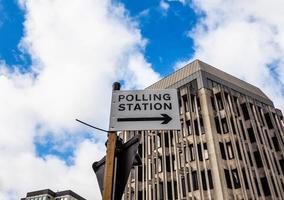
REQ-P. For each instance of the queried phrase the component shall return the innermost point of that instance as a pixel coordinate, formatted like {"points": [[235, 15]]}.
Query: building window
{"points": [[282, 165], [251, 135], [219, 101], [265, 186], [200, 156], [227, 177], [233, 126], [192, 97], [239, 150], [159, 159], [258, 160], [203, 179], [224, 125], [140, 170], [210, 179], [204, 182], [196, 127], [149, 169], [268, 121], [213, 103], [194, 180], [169, 189], [189, 127], [236, 179], [230, 150], [275, 143], [174, 164], [149, 145], [191, 152], [198, 103], [185, 103], [217, 124], [168, 137], [236, 105], [183, 187], [222, 150], [245, 111], [206, 156], [201, 125], [168, 164], [245, 178]]}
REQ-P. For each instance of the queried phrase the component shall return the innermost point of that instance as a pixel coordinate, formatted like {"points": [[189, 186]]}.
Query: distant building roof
{"points": [[53, 194]]}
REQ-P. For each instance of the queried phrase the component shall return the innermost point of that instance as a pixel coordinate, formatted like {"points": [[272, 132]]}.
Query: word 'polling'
{"points": [[143, 102]]}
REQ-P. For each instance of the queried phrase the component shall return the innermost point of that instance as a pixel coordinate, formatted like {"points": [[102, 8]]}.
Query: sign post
{"points": [[110, 155]]}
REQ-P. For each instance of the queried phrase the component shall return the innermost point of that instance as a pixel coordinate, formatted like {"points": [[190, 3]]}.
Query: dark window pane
{"points": [[222, 149], [203, 179], [268, 120], [194, 181], [200, 156], [239, 150], [217, 124], [213, 103], [210, 179], [230, 150], [224, 125], [233, 126], [169, 187], [265, 186], [245, 111], [219, 101], [196, 127], [282, 165], [245, 178], [258, 160], [275, 143], [251, 135], [227, 176], [236, 179]]}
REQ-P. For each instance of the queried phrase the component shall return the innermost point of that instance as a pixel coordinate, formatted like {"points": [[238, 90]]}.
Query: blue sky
{"points": [[58, 60], [165, 31]]}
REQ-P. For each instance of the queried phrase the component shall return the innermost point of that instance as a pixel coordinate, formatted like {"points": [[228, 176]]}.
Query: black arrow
{"points": [[165, 118]]}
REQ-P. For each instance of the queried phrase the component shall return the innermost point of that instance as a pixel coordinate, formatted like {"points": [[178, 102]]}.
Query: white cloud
{"points": [[78, 49], [243, 38], [164, 5]]}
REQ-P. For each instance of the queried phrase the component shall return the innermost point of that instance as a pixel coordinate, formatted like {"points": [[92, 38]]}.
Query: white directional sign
{"points": [[144, 110]]}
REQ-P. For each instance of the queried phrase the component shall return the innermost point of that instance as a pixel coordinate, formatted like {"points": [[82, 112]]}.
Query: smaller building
{"points": [[50, 195]]}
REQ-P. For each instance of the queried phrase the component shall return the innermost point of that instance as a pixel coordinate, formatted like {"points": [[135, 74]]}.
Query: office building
{"points": [[231, 145], [50, 195]]}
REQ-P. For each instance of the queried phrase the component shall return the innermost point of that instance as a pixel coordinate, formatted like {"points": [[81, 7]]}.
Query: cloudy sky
{"points": [[59, 58]]}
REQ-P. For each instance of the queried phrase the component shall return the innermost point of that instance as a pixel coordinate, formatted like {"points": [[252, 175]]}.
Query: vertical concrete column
{"points": [[212, 145]]}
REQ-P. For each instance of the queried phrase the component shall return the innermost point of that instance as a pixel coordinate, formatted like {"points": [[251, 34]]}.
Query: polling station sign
{"points": [[144, 110]]}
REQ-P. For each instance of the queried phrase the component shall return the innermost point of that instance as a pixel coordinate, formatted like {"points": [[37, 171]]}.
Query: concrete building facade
{"points": [[231, 145], [48, 194]]}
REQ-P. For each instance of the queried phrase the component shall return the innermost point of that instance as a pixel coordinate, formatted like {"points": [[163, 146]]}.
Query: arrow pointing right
{"points": [[165, 119]]}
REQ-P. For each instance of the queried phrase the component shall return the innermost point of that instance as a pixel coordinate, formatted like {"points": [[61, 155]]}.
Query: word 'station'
{"points": [[144, 110]]}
